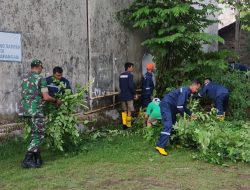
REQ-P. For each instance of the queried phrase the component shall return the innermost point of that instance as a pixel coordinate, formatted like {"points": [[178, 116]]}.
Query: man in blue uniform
{"points": [[147, 86], [219, 94], [127, 94], [238, 66], [54, 82], [173, 103]]}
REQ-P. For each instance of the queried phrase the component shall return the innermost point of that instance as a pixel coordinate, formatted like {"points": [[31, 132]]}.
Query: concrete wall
{"points": [[52, 30], [111, 44], [212, 29], [81, 36]]}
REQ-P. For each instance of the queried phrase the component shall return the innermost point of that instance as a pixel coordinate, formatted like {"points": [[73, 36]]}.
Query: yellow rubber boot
{"points": [[129, 119], [221, 117], [124, 118], [162, 151]]}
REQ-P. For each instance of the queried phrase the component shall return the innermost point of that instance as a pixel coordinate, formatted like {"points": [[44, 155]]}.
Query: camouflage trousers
{"points": [[37, 124]]}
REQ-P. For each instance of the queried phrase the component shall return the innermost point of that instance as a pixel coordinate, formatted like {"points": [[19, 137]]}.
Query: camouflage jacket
{"points": [[33, 85]]}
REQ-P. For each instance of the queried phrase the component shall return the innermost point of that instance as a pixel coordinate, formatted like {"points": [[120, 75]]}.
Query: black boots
{"points": [[32, 160], [38, 159], [28, 161]]}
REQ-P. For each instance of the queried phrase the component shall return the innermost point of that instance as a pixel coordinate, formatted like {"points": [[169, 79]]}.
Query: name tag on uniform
{"points": [[123, 76]]}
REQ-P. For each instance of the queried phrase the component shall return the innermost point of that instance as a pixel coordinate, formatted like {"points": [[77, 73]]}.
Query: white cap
{"points": [[156, 100]]}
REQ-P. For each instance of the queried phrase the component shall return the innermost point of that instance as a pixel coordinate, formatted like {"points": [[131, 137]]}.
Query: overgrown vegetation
{"points": [[215, 141], [61, 126], [236, 81], [175, 37], [61, 122], [175, 32]]}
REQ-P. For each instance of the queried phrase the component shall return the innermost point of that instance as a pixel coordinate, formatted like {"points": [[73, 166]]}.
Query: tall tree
{"points": [[175, 31]]}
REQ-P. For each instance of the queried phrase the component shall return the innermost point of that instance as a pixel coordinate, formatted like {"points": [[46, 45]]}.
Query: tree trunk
{"points": [[237, 30]]}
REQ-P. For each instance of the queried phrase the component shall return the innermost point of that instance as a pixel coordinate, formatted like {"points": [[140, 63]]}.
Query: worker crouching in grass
{"points": [[219, 94], [173, 103], [153, 112]]}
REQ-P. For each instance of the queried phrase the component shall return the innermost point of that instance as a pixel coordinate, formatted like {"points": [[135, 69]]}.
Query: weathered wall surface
{"points": [[212, 29], [111, 44], [81, 36], [53, 31]]}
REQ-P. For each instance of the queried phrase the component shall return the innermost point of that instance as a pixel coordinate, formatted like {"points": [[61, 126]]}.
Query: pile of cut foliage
{"points": [[215, 141]]}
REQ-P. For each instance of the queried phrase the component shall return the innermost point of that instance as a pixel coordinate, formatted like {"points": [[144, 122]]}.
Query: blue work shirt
{"points": [[213, 90], [127, 86], [147, 84], [240, 67], [53, 85], [178, 99]]}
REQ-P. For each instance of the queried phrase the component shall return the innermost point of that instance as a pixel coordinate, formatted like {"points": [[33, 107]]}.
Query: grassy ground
{"points": [[118, 163]]}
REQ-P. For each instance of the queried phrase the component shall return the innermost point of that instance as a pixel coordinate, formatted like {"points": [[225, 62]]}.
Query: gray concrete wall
{"points": [[56, 31], [212, 29], [81, 36], [52, 30], [111, 44]]}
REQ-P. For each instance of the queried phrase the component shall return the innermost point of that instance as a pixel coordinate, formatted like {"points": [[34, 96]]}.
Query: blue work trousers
{"points": [[221, 103], [146, 99], [168, 113]]}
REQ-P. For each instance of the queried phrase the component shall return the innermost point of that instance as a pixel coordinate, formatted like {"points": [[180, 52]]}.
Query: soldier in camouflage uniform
{"points": [[34, 91]]}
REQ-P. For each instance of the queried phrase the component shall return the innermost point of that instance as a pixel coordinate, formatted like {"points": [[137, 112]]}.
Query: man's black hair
{"points": [[208, 79], [57, 69], [127, 65], [196, 82]]}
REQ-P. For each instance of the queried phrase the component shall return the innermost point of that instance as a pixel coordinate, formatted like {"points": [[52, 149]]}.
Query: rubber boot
{"points": [[129, 119], [221, 117], [28, 161], [124, 120], [38, 159], [161, 151]]}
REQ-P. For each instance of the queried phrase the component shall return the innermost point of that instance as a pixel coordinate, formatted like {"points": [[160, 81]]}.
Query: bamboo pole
{"points": [[106, 95], [99, 109]]}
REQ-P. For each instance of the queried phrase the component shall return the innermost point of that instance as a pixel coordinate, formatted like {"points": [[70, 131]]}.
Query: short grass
{"points": [[118, 163]]}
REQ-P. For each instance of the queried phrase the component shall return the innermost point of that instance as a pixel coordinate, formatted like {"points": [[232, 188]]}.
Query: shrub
{"points": [[215, 141], [61, 126]]}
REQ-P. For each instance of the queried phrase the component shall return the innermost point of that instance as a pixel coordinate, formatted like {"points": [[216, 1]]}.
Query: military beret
{"points": [[36, 62]]}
